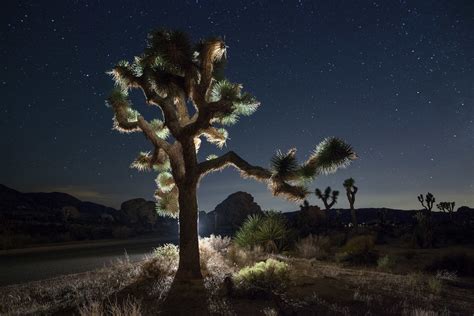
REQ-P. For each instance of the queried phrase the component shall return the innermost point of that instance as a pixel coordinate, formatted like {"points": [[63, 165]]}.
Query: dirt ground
{"points": [[315, 288]]}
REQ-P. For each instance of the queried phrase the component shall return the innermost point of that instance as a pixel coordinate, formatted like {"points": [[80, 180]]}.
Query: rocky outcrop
{"points": [[229, 215]]}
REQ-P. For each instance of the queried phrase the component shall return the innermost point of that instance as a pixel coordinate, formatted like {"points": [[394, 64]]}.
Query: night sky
{"points": [[393, 78]]}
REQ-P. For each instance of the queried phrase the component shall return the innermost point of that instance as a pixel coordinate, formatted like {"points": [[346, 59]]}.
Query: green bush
{"points": [[269, 231], [359, 250], [386, 263], [267, 275]]}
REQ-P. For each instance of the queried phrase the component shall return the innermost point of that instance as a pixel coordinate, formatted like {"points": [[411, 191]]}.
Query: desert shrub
{"points": [[458, 262], [269, 231], [267, 275], [242, 257], [163, 262], [314, 247], [386, 263], [359, 250], [218, 243], [212, 252]]}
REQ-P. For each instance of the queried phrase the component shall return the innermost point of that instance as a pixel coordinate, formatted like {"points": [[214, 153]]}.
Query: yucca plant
{"points": [[269, 231], [172, 72], [246, 235]]}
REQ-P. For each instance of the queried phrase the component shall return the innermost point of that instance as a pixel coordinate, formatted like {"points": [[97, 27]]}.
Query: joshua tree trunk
{"points": [[354, 216], [351, 191], [189, 266]]}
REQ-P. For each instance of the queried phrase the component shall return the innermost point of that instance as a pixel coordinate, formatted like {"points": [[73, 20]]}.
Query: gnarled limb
{"points": [[276, 184], [201, 120], [150, 134], [171, 107]]}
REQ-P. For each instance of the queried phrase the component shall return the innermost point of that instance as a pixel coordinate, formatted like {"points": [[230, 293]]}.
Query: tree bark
{"points": [[353, 212], [189, 264], [354, 217]]}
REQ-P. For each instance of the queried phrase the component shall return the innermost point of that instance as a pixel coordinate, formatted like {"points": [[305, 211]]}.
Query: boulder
{"points": [[229, 215]]}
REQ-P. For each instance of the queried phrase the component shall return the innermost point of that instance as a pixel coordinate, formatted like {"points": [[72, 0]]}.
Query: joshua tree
{"points": [[351, 191], [447, 207], [424, 219], [430, 199], [328, 193], [185, 82]]}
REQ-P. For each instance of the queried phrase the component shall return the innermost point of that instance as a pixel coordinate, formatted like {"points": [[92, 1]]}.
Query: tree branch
{"points": [[150, 134], [201, 120], [275, 184], [171, 109]]}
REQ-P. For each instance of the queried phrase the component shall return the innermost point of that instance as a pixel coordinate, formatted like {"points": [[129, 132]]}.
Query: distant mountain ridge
{"points": [[27, 218]]}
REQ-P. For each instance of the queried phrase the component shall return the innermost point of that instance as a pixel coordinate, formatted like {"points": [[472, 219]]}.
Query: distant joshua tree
{"points": [[185, 83], [424, 220], [447, 207], [429, 200], [324, 196], [351, 191]]}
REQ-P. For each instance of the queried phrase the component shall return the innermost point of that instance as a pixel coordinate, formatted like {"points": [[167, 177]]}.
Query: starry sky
{"points": [[393, 78]]}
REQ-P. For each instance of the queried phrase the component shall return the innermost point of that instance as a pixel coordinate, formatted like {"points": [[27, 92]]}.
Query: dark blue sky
{"points": [[393, 78]]}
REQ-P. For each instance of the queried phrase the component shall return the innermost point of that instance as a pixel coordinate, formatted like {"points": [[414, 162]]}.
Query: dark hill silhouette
{"points": [[29, 218]]}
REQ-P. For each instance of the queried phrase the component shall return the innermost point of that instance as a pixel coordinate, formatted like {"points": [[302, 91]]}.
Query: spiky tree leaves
{"points": [[125, 118], [169, 51], [142, 162], [329, 197], [242, 104], [167, 202], [284, 165], [171, 73], [331, 154], [160, 129]]}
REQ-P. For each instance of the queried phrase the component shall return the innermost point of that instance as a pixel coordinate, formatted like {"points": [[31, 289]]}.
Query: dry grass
{"points": [[329, 288], [67, 291], [128, 307], [314, 247]]}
